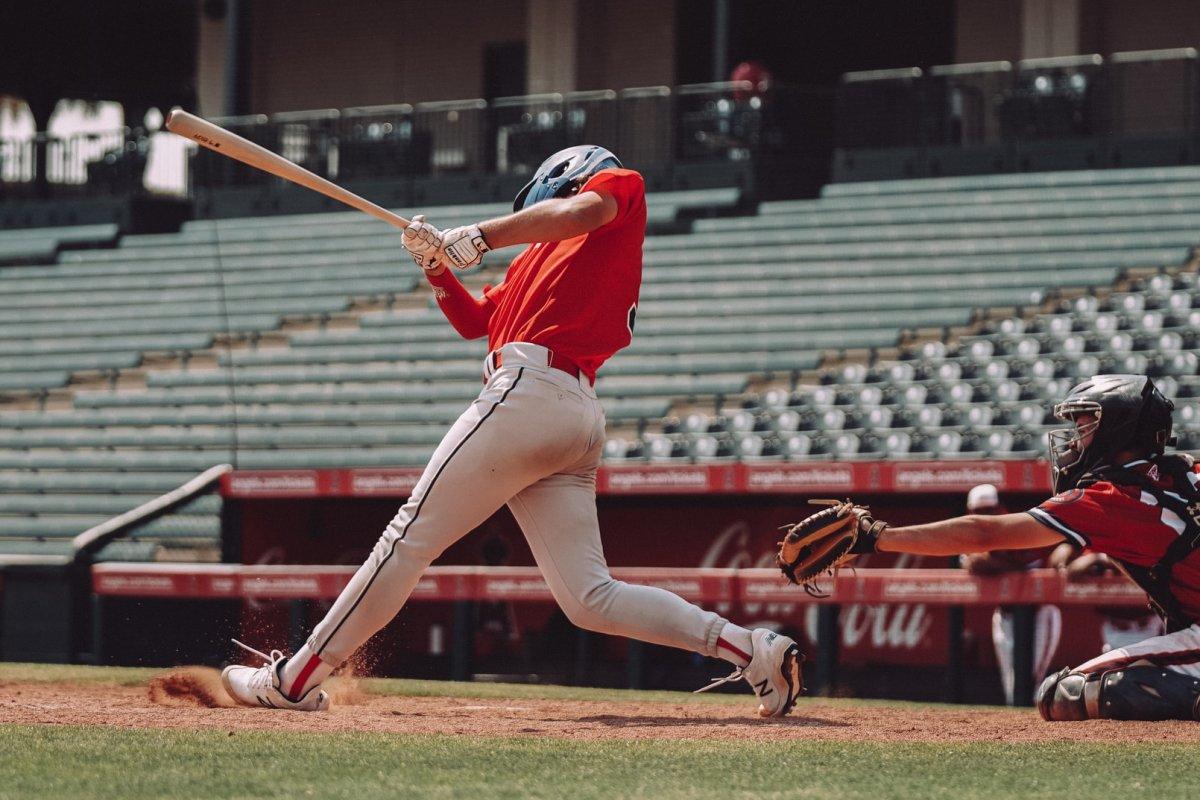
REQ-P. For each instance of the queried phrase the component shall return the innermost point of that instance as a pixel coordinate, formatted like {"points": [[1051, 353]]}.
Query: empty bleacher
{"points": [[40, 245], [946, 313], [115, 363], [975, 242]]}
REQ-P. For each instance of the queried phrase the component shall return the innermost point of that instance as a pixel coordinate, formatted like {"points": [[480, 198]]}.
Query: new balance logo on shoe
{"points": [[761, 688]]}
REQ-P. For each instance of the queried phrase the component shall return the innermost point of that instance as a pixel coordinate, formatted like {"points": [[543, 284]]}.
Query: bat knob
{"points": [[172, 115]]}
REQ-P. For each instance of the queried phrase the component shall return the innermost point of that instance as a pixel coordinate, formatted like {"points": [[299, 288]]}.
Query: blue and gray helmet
{"points": [[563, 173]]}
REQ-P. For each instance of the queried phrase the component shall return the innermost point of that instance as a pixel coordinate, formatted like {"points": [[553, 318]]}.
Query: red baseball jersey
{"points": [[1129, 525], [578, 296]]}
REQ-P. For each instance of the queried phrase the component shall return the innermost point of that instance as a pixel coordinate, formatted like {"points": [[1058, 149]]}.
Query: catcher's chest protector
{"points": [[1184, 502]]}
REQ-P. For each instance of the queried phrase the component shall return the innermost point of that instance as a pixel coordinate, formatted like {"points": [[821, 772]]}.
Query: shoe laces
{"points": [[264, 676], [737, 674]]}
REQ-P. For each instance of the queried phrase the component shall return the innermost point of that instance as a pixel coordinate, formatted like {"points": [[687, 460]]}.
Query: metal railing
{"points": [[655, 126], [1127, 95], [652, 127]]}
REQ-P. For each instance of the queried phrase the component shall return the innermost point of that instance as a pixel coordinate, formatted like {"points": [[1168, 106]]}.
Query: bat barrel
{"points": [[230, 145]]}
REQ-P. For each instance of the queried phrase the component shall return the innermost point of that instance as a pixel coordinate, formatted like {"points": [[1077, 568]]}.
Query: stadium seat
{"points": [[329, 364]]}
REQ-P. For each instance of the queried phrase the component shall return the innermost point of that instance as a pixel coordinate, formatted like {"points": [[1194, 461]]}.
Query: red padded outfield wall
{"points": [[716, 515]]}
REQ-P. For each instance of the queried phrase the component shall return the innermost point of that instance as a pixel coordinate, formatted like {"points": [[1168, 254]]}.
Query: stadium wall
{"points": [[334, 518], [305, 54], [1010, 30]]}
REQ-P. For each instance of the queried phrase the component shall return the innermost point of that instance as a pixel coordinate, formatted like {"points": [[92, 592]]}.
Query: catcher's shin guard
{"points": [[1143, 692]]}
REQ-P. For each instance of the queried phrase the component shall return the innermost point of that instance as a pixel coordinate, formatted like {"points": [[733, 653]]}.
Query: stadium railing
{"points": [[45, 599], [1129, 109], [716, 128]]}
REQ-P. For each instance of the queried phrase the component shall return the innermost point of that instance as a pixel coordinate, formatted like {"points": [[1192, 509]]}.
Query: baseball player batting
{"points": [[1117, 492], [532, 439]]}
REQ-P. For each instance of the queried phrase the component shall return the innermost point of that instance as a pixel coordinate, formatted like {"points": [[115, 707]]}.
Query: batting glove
{"points": [[464, 247], [423, 242]]}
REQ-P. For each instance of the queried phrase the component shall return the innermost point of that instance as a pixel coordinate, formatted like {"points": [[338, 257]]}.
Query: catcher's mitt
{"points": [[822, 542]]}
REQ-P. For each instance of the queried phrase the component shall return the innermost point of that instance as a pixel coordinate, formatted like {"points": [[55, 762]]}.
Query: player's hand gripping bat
{"points": [[231, 145]]}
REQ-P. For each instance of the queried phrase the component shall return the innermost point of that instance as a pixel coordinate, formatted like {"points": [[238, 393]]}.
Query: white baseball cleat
{"points": [[773, 672], [259, 686]]}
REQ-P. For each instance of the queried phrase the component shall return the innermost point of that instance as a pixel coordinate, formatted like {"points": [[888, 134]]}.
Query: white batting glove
{"points": [[423, 242], [463, 247]]}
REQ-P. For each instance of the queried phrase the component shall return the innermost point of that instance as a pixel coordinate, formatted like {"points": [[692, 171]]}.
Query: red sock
{"points": [[735, 645], [301, 672]]}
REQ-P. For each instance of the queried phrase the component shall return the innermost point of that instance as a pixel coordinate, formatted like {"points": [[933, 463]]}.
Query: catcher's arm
{"points": [[831, 538], [973, 533]]}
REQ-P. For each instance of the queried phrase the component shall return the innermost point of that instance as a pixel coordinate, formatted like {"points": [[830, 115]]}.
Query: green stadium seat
{"points": [[63, 526], [52, 482], [1032, 209], [107, 344], [1100, 177], [735, 298], [30, 244], [26, 381], [104, 505], [80, 362], [115, 551], [235, 323]]}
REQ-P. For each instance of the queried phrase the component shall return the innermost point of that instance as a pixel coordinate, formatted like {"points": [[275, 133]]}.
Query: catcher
{"points": [[1117, 493]]}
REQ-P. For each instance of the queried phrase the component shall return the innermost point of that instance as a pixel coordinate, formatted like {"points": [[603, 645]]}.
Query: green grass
{"points": [[13, 672], [42, 761], [87, 762]]}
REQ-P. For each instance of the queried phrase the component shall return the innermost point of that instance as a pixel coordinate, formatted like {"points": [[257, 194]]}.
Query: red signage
{"points": [[818, 476], [931, 586], [380, 482], [664, 479], [807, 478]]}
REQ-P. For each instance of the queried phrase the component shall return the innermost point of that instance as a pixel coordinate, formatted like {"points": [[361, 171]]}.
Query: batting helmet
{"points": [[563, 173], [1130, 415]]}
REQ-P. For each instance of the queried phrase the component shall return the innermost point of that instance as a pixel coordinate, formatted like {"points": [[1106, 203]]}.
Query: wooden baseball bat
{"points": [[230, 145]]}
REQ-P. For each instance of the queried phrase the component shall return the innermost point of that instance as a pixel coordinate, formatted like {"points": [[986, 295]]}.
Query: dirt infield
{"points": [[192, 698]]}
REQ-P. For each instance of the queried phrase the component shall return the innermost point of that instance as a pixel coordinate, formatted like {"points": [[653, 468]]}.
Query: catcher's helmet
{"points": [[563, 173], [1130, 414]]}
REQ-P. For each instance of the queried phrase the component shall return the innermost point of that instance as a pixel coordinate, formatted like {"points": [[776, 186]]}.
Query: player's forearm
{"points": [[972, 533], [549, 221], [468, 315]]}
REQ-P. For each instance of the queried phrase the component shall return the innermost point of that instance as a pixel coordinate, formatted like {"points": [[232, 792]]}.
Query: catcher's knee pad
{"points": [[1143, 693], [1060, 698]]}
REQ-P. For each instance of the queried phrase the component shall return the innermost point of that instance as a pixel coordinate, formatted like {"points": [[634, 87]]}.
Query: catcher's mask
{"points": [[563, 173], [1119, 413]]}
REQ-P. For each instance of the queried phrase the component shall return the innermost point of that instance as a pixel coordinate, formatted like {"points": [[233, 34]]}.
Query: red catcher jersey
{"points": [[578, 296], [1129, 525]]}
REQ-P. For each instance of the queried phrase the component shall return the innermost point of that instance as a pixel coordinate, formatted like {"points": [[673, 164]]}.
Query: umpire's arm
{"points": [[973, 533]]}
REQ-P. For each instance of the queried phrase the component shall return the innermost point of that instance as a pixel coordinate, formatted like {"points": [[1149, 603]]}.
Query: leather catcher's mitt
{"points": [[822, 542]]}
